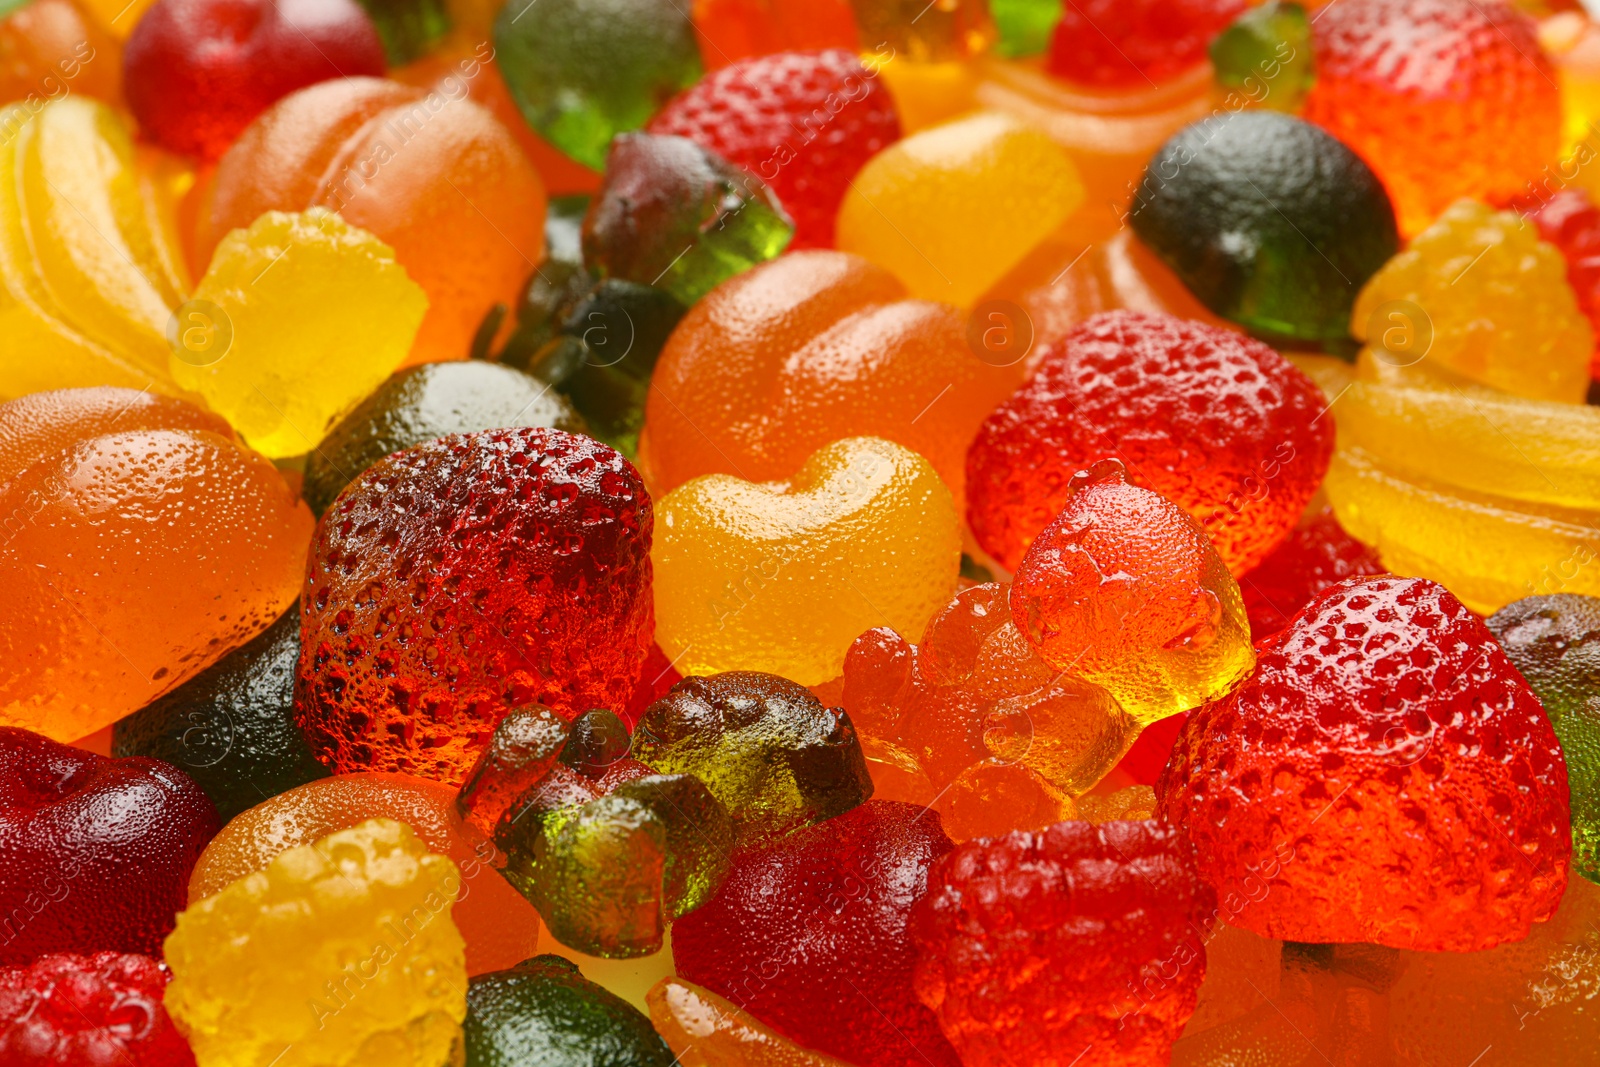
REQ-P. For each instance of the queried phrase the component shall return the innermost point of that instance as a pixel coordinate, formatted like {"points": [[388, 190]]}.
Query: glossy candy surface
{"points": [[1221, 425], [1385, 752], [95, 853], [782, 576], [1119, 44], [1313, 557], [543, 1011], [146, 542], [372, 899], [63, 1010], [706, 1030], [422, 627], [49, 44]]}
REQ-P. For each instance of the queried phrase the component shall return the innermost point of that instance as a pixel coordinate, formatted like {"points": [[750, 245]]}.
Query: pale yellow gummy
{"points": [[783, 576], [320, 313], [338, 953], [951, 209]]}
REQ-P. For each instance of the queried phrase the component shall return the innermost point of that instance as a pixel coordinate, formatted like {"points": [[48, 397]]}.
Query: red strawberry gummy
{"points": [[465, 577], [1210, 419], [196, 72], [1134, 44], [809, 936], [102, 1010], [95, 853], [1124, 590], [1079, 944], [1311, 558], [1390, 768], [1406, 83], [803, 122], [1571, 221]]}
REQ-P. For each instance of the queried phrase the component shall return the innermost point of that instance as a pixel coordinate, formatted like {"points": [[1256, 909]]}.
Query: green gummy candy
{"points": [[409, 29], [1025, 26], [1266, 54], [544, 1012]]}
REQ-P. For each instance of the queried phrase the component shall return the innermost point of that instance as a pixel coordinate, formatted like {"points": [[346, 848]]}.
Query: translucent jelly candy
{"points": [[767, 749], [143, 544], [197, 71], [1215, 422], [950, 30], [810, 936], [1552, 640], [1532, 998], [63, 1010], [411, 30], [231, 727], [1266, 52], [1570, 220], [1408, 82], [797, 353], [1270, 221], [803, 122], [1118, 44], [672, 214], [708, 1031], [499, 926], [543, 1011], [335, 949], [439, 180], [731, 30], [425, 623], [524, 748], [782, 576], [1023, 27], [1494, 517], [1309, 560], [1389, 774], [419, 404], [951, 209], [607, 874], [48, 44], [583, 71], [1124, 590], [972, 690], [262, 380], [1038, 948], [72, 188], [1478, 293], [94, 852]]}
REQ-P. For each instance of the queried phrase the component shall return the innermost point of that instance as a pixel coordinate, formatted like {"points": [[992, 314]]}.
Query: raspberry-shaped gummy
{"points": [[1409, 83], [1571, 221], [88, 1011], [342, 950], [462, 578], [1213, 421], [1079, 944], [803, 122], [1311, 558], [1124, 590], [1494, 300], [1132, 44], [1386, 776]]}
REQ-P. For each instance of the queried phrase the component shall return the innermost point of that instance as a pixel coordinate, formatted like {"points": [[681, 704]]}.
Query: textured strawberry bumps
{"points": [[1079, 944], [1219, 424], [1391, 767], [803, 122]]}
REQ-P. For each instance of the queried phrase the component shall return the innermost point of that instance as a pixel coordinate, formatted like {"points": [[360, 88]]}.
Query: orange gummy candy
{"points": [[730, 30], [140, 543], [501, 928], [807, 349], [49, 48], [439, 180]]}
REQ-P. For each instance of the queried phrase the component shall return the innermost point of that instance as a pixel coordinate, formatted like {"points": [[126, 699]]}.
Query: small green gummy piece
{"points": [[1266, 55]]}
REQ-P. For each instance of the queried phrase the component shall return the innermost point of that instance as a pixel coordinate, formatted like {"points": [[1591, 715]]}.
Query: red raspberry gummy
{"points": [[1311, 558], [465, 577], [803, 122], [102, 1010], [1215, 422], [1134, 44], [95, 853], [1392, 769], [809, 936], [1571, 221], [1080, 944], [196, 72]]}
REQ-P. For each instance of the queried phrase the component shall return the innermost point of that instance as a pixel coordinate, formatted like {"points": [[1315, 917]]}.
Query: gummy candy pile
{"points": [[799, 533]]}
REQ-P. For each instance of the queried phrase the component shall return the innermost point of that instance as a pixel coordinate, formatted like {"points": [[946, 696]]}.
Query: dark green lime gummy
{"points": [[1555, 642], [231, 727], [544, 1012], [1270, 221]]}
